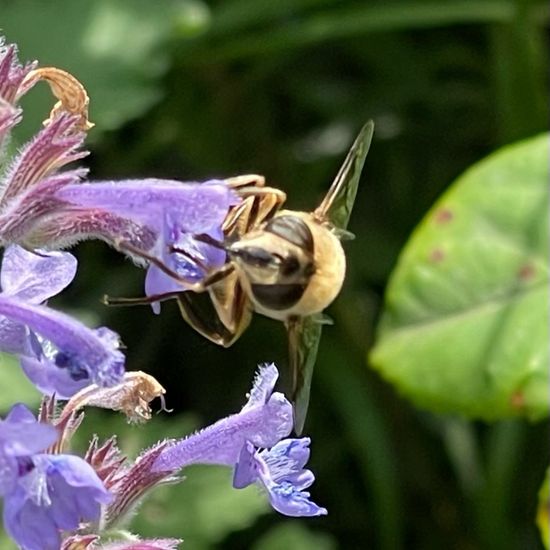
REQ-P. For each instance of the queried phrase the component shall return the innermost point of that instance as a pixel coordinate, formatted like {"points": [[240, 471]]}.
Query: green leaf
{"points": [[15, 387], [113, 47], [202, 510], [543, 512], [465, 325], [6, 543]]}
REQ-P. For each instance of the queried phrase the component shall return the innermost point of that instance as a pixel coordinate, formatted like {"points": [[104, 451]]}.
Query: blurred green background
{"points": [[192, 90]]}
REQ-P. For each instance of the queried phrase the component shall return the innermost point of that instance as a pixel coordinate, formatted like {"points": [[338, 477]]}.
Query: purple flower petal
{"points": [[32, 277], [197, 207], [35, 277], [157, 282], [20, 435], [289, 501], [263, 386], [246, 469], [49, 379], [14, 337], [280, 470], [20, 413], [86, 355], [286, 461], [57, 494]]}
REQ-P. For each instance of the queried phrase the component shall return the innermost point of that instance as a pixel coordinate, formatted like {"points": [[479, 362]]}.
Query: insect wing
{"points": [[338, 202], [304, 335]]}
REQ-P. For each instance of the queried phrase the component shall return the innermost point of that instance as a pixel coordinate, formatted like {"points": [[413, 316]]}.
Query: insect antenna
{"points": [[139, 301]]}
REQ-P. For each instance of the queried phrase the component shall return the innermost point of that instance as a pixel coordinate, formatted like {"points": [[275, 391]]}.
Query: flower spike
{"points": [[235, 441]]}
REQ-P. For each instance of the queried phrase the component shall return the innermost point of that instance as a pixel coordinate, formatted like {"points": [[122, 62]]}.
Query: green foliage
{"points": [[113, 47], [14, 385], [466, 317], [203, 509]]}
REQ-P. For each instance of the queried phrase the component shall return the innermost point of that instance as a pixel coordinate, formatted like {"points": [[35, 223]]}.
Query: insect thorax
{"points": [[278, 265]]}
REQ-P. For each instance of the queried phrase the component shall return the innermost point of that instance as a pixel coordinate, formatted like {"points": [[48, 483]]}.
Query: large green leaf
{"points": [[465, 325]]}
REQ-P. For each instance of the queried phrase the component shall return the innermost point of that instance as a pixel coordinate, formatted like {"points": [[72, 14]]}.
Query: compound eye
{"points": [[290, 266], [292, 229]]}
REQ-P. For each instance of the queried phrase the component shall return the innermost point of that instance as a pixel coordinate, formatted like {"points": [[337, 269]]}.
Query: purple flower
{"points": [[174, 211], [57, 493], [58, 353], [264, 420], [35, 277], [32, 278], [43, 494], [30, 213], [236, 441], [280, 470], [67, 355], [20, 437]]}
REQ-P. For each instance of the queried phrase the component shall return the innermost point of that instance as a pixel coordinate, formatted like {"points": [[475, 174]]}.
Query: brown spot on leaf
{"points": [[526, 272], [437, 255], [517, 400], [443, 216]]}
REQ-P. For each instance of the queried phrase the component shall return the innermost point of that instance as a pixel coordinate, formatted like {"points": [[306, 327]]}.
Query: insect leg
{"points": [[186, 283], [246, 180]]}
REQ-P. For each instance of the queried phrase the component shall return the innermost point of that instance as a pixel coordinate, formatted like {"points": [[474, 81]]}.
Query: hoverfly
{"points": [[284, 264]]}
